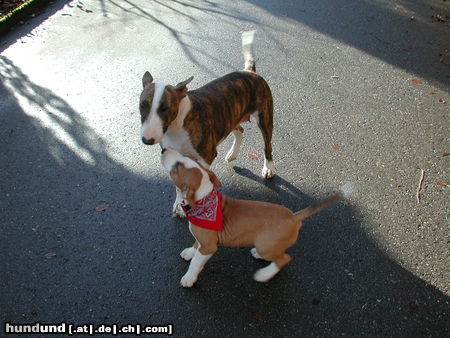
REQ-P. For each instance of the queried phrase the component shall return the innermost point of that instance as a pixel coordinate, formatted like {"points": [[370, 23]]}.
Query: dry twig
{"points": [[420, 185]]}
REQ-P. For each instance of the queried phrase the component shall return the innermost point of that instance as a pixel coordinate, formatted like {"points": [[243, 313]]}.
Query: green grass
{"points": [[16, 10]]}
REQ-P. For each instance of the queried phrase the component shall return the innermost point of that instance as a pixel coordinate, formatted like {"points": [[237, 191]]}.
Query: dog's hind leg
{"points": [[267, 273], [238, 135], [255, 254]]}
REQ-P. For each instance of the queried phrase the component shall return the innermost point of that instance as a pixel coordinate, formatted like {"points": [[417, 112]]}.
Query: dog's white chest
{"points": [[178, 139]]}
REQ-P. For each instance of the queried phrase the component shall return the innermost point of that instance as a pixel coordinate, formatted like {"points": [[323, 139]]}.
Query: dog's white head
{"points": [[158, 105], [193, 180]]}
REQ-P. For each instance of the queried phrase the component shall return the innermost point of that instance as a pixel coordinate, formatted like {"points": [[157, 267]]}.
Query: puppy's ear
{"points": [[190, 196], [181, 87], [147, 79], [215, 181]]}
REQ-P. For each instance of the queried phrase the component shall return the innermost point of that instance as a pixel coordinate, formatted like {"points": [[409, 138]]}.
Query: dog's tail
{"points": [[345, 191], [247, 50]]}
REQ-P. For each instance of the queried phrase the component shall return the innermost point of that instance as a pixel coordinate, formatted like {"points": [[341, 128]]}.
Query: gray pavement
{"points": [[357, 87]]}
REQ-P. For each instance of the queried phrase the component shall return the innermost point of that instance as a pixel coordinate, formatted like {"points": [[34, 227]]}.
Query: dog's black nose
{"points": [[163, 150], [149, 141]]}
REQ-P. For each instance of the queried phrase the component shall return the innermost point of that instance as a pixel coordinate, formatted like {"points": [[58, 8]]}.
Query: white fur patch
{"points": [[255, 254], [265, 274], [247, 44], [152, 126], [196, 266]]}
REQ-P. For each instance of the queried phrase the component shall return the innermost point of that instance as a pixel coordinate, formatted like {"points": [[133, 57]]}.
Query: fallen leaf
{"points": [[441, 60], [441, 100], [416, 81], [355, 116], [444, 154], [413, 307], [399, 185], [441, 183], [334, 77], [253, 155], [256, 316], [102, 207], [335, 146], [431, 94], [49, 255]]}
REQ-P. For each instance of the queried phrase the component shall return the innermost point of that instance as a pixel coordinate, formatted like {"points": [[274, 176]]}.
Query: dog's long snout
{"points": [[149, 141]]}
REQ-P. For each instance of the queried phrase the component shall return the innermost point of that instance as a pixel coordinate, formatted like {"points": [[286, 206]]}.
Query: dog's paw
{"points": [[188, 253], [177, 210], [187, 281], [230, 156], [266, 274], [255, 254], [268, 170]]}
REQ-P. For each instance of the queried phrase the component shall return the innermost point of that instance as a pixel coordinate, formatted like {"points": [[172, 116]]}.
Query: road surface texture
{"points": [[360, 91]]}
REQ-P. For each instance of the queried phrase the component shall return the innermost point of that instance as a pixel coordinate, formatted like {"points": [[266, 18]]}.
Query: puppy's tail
{"points": [[247, 50], [345, 191]]}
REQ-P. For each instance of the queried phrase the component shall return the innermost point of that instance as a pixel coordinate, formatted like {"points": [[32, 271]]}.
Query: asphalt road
{"points": [[360, 91]]}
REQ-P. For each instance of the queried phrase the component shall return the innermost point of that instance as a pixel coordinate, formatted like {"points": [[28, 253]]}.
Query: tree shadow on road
{"points": [[62, 257], [405, 34]]}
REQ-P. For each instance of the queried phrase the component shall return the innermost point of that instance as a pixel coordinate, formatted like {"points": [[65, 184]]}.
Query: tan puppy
{"points": [[270, 228]]}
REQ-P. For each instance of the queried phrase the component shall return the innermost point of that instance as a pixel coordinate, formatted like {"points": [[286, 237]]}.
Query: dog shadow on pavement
{"points": [[340, 280]]}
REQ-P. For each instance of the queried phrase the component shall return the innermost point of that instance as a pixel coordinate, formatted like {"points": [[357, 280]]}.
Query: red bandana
{"points": [[207, 212]]}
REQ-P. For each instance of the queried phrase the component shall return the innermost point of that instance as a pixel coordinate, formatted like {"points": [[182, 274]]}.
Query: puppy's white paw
{"points": [[177, 210], [266, 274], [255, 254], [188, 253], [268, 170], [187, 281]]}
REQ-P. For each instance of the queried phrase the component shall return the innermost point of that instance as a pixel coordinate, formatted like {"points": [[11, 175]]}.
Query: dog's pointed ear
{"points": [[181, 87], [215, 181], [147, 79], [190, 196]]}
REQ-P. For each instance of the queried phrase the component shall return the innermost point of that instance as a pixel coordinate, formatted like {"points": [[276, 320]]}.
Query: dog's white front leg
{"points": [[234, 151], [188, 253], [177, 210], [195, 267]]}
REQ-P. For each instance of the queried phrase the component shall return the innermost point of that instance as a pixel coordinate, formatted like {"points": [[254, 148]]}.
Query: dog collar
{"points": [[207, 212]]}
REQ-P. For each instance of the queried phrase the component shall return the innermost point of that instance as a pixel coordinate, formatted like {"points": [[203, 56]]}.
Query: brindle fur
{"points": [[219, 107]]}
